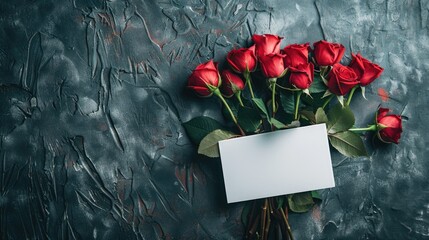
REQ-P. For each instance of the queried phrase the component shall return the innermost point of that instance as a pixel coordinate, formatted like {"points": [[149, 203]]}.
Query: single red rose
{"points": [[366, 71], [390, 126], [231, 83], [204, 79], [243, 59], [302, 75], [341, 79], [272, 65], [327, 54], [296, 54], [266, 44]]}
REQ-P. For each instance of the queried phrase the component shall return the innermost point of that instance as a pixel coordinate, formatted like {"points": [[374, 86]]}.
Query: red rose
{"points": [[272, 65], [204, 79], [341, 79], [366, 71], [266, 44], [296, 54], [243, 59], [302, 75], [390, 126], [327, 54], [231, 83]]}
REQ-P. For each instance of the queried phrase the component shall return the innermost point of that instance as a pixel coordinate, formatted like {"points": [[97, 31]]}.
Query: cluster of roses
{"points": [[299, 63]]}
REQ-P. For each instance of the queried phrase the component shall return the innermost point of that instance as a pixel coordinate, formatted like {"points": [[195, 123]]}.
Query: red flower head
{"points": [[204, 79], [390, 126], [296, 54], [341, 79], [272, 65], [327, 54], [302, 76], [266, 44], [231, 83], [366, 71], [243, 59]]}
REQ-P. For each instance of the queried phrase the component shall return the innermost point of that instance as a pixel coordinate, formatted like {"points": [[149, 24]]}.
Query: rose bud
{"points": [[327, 54], [341, 79], [366, 71], [204, 79], [231, 83], [266, 44], [272, 65], [390, 126], [243, 59], [296, 54], [302, 75]]}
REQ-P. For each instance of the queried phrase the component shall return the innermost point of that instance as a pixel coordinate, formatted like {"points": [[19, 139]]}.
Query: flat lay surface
{"points": [[92, 101]]}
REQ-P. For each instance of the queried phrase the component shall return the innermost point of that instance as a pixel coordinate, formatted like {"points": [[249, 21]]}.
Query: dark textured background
{"points": [[92, 100]]}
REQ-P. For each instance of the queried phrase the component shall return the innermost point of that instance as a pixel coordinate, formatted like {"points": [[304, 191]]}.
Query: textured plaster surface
{"points": [[92, 101]]}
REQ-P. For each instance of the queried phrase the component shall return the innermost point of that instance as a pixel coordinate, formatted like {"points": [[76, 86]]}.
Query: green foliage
{"points": [[348, 143], [209, 144], [249, 119], [300, 202], [318, 86], [197, 128], [340, 118]]}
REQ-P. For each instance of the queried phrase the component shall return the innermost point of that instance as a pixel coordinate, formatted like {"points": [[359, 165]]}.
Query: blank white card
{"points": [[276, 163]]}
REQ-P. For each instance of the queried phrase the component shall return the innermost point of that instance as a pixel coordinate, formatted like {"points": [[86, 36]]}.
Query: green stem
{"points": [[217, 93], [238, 96], [273, 94], [327, 101], [359, 130], [249, 82], [349, 99], [297, 104]]}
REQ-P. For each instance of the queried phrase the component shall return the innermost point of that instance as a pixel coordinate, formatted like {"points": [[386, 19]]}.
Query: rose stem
{"points": [[287, 223], [254, 226], [327, 101], [217, 93], [273, 95], [349, 99], [267, 227], [264, 216], [360, 130], [238, 96], [249, 82], [298, 97]]}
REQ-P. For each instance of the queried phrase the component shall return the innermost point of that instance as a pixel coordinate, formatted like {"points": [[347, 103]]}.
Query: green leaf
{"points": [[340, 119], [197, 128], [288, 102], [280, 201], [278, 124], [317, 86], [261, 106], [316, 195], [209, 144], [249, 119], [300, 202], [320, 116], [348, 143], [309, 115]]}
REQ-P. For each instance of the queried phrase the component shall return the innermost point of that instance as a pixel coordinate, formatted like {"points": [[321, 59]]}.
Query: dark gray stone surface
{"points": [[92, 99]]}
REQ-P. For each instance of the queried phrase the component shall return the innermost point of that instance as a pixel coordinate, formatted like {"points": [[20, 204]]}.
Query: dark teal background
{"points": [[92, 101]]}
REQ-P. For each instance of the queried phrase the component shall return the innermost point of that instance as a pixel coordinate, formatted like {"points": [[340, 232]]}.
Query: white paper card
{"points": [[276, 163]]}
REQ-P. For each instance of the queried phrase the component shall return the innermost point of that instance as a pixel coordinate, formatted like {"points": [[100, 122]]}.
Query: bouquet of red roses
{"points": [[303, 86]]}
